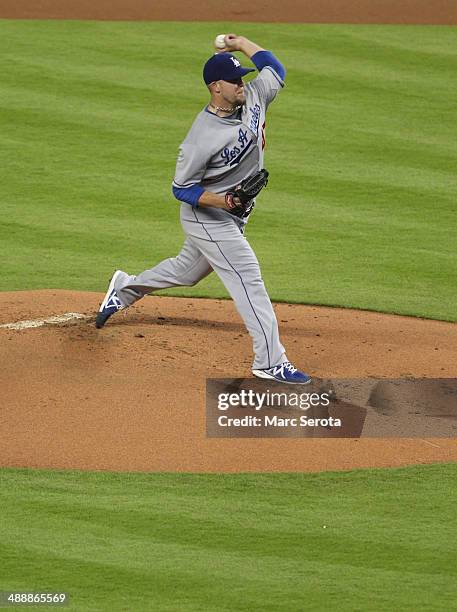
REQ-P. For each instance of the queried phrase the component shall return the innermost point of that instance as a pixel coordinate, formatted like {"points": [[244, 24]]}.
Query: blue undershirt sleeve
{"points": [[190, 195], [266, 58]]}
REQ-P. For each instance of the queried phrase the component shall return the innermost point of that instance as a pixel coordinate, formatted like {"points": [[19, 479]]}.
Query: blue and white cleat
{"points": [[285, 373], [111, 303]]}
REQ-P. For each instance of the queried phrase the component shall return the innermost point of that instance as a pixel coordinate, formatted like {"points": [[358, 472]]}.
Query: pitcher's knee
{"points": [[256, 282], [190, 277], [192, 281]]}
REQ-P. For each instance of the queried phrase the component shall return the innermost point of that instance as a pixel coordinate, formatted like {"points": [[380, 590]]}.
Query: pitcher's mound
{"points": [[132, 395]]}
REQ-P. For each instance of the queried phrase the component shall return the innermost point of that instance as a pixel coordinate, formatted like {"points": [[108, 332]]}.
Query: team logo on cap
{"points": [[236, 62]]}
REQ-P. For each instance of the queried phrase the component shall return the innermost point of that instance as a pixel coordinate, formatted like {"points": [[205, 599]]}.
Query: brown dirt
{"points": [[132, 396], [312, 11]]}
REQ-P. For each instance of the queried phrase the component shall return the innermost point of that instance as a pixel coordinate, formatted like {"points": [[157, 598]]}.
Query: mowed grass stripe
{"points": [[233, 542], [361, 147]]}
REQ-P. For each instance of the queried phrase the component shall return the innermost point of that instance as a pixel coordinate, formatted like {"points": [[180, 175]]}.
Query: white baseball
{"points": [[219, 41]]}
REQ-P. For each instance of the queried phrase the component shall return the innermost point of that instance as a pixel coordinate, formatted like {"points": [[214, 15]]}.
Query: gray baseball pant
{"points": [[234, 261]]}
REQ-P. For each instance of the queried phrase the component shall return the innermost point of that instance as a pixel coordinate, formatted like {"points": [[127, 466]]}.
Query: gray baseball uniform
{"points": [[217, 153]]}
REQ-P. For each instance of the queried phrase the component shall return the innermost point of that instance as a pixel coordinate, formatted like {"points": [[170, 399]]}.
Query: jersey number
{"points": [[263, 136]]}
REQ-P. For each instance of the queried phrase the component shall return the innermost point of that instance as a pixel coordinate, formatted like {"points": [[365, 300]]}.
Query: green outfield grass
{"points": [[361, 146], [233, 542]]}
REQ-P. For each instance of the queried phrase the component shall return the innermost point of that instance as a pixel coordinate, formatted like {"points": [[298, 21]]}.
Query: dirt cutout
{"points": [[131, 397], [310, 11]]}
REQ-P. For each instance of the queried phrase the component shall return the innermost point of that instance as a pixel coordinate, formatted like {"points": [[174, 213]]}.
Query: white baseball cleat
{"points": [[111, 303], [285, 373]]}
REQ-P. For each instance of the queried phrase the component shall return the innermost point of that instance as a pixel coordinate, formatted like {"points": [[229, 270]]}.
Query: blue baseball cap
{"points": [[223, 67]]}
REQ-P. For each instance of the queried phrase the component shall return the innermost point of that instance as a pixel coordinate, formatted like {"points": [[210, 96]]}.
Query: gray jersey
{"points": [[219, 152]]}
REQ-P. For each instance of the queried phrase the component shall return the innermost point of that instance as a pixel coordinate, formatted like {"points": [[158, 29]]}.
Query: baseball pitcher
{"points": [[219, 173]]}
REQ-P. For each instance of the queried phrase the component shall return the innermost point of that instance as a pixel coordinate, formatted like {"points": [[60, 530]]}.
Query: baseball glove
{"points": [[240, 200]]}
